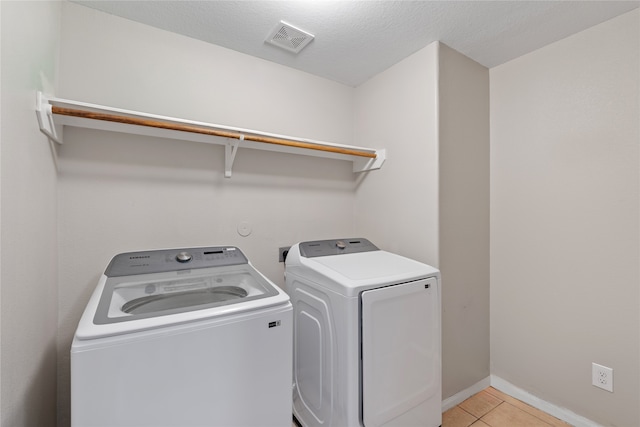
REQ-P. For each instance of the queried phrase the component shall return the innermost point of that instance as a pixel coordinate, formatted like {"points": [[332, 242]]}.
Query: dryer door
{"points": [[401, 362]]}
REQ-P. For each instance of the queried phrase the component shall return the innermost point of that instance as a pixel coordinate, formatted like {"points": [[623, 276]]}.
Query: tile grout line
{"points": [[513, 405], [535, 416], [519, 409], [476, 418], [493, 409], [524, 408]]}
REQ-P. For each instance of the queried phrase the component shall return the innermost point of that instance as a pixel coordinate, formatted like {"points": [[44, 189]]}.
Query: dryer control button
{"points": [[340, 244], [183, 257]]}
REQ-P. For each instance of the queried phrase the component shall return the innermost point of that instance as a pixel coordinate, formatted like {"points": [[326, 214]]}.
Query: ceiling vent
{"points": [[289, 37]]}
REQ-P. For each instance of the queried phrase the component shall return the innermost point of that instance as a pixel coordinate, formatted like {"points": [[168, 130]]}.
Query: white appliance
{"points": [[183, 337], [366, 336]]}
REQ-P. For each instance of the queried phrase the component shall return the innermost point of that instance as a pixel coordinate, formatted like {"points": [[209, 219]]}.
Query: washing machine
{"points": [[367, 340], [183, 337]]}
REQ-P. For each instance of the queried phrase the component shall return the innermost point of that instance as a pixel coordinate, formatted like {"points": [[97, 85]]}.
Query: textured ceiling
{"points": [[355, 40]]}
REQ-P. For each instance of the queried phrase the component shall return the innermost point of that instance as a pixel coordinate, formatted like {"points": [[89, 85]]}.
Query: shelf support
{"points": [[363, 164], [230, 150], [44, 112]]}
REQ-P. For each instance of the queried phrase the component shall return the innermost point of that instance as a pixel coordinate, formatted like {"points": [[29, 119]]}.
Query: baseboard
{"points": [[463, 395], [551, 409], [524, 396]]}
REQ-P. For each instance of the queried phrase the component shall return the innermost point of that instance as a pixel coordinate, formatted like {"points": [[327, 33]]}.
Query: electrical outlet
{"points": [[282, 253], [602, 377]]}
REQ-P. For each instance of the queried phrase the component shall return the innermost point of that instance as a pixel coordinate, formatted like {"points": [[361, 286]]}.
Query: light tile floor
{"points": [[492, 408]]}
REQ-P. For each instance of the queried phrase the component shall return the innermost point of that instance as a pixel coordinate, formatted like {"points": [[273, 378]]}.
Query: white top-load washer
{"points": [[367, 336], [183, 337]]}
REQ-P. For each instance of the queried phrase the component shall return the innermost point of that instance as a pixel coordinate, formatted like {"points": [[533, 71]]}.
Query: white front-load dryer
{"points": [[367, 340], [183, 338]]}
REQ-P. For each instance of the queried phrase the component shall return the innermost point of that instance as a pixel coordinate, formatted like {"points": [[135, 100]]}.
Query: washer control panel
{"points": [[335, 247], [184, 257], [165, 260]]}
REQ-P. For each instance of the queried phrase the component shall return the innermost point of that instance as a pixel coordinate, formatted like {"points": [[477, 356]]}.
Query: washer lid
{"points": [[378, 265], [129, 298], [350, 274], [155, 289]]}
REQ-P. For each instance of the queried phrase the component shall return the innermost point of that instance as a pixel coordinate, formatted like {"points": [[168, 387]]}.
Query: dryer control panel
{"points": [[165, 260], [335, 247]]}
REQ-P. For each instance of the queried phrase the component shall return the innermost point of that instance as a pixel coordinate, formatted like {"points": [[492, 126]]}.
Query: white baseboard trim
{"points": [[559, 412], [463, 395]]}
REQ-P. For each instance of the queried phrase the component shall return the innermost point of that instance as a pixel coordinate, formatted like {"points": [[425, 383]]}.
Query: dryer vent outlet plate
{"points": [[288, 37], [282, 253]]}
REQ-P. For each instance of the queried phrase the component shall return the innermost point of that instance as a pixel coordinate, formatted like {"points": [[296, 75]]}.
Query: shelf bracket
{"points": [[230, 150], [364, 164], [45, 119]]}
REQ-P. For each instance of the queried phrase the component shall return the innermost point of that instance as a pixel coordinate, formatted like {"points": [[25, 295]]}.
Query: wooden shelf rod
{"points": [[55, 113], [205, 131]]}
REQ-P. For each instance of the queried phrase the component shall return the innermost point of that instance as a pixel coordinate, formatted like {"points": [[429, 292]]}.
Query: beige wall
{"points": [[430, 201], [122, 192], [464, 219], [564, 220], [396, 206], [564, 192], [30, 35]]}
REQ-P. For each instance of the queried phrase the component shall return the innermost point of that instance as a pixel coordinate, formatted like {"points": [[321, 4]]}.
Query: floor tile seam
{"points": [[488, 391], [485, 421], [537, 417], [485, 404], [519, 409], [534, 412], [498, 398], [475, 418], [499, 402], [501, 396], [480, 414], [510, 400]]}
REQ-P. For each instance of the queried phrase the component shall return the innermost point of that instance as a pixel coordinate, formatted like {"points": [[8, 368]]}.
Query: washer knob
{"points": [[183, 257], [340, 244]]}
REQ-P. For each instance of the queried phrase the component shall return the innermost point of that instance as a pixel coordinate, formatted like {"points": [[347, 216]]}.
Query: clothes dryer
{"points": [[183, 337], [367, 340]]}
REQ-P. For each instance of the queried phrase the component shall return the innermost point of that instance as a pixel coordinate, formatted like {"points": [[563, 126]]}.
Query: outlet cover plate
{"points": [[602, 377]]}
